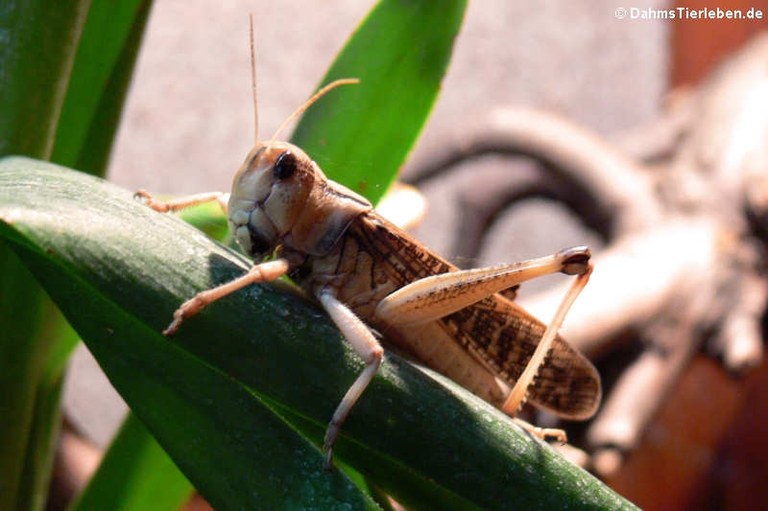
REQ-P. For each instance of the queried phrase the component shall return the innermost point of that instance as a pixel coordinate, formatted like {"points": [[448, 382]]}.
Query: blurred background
{"points": [[614, 77]]}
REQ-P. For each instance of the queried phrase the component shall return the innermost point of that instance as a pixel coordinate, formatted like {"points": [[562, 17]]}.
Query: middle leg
{"points": [[366, 346]]}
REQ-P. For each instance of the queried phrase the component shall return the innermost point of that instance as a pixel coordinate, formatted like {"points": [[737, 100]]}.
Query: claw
{"points": [[328, 465], [575, 260], [148, 200]]}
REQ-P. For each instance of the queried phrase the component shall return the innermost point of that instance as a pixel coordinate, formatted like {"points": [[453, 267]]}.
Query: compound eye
{"points": [[285, 166]]}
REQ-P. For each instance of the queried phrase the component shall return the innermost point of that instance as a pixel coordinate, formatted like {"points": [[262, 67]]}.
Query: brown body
{"points": [[483, 347]]}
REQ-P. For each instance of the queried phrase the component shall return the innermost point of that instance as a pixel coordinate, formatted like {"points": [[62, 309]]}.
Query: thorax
{"points": [[371, 260]]}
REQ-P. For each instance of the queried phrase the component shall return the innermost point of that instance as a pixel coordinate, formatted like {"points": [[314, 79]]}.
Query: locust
{"points": [[370, 275]]}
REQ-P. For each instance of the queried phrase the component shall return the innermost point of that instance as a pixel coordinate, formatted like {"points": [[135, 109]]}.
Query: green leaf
{"points": [[28, 400], [43, 437], [244, 388], [361, 135], [135, 475], [101, 72], [38, 42], [210, 218]]}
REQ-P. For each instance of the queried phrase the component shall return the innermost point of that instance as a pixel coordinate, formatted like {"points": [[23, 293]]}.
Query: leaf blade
{"points": [[361, 135], [101, 71], [135, 474]]}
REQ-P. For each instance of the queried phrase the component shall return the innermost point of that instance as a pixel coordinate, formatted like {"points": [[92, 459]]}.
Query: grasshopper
{"points": [[368, 273]]}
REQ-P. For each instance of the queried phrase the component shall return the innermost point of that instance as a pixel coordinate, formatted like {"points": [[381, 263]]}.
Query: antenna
{"points": [[253, 84], [308, 103]]}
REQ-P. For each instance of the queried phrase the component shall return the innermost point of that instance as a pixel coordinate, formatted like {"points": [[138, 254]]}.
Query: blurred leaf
{"points": [[101, 73], [208, 218], [238, 394], [361, 134], [41, 446], [135, 475], [21, 359], [39, 38]]}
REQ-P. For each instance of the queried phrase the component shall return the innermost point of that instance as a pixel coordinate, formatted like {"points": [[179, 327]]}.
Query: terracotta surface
{"points": [[698, 45]]}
